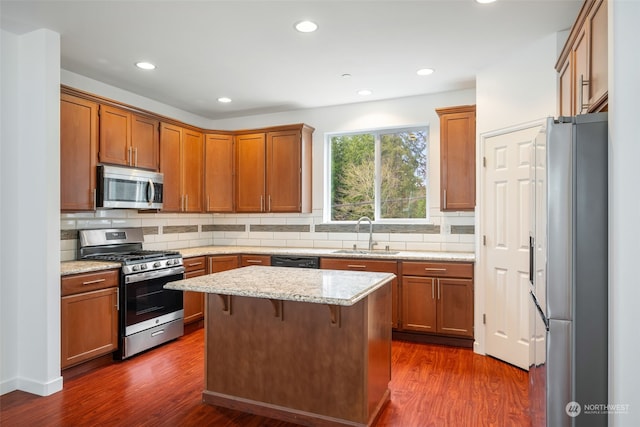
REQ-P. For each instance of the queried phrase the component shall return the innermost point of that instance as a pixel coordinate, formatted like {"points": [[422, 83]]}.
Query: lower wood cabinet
{"points": [[220, 263], [194, 301], [377, 266], [438, 298], [88, 316], [247, 260]]}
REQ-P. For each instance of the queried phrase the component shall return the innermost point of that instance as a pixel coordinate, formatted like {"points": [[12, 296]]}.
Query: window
{"points": [[381, 174]]}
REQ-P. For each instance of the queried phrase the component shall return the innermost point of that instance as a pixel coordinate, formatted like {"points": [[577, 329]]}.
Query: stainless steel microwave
{"points": [[121, 187]]}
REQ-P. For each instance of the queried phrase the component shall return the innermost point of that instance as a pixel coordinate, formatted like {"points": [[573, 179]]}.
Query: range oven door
{"points": [[146, 303]]}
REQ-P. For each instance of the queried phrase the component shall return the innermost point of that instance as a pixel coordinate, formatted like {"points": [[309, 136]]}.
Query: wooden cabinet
{"points": [[78, 153], [246, 260], [583, 64], [378, 266], [181, 162], [273, 170], [88, 316], [219, 169], [128, 139], [193, 301], [438, 298], [218, 263], [457, 158]]}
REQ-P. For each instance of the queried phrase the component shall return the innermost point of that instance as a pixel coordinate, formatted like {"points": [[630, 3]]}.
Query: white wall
{"points": [[624, 211], [30, 207], [519, 89]]}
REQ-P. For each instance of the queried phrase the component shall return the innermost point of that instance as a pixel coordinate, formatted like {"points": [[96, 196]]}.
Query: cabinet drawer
{"points": [[194, 264], [89, 282], [438, 269], [359, 265], [246, 260]]}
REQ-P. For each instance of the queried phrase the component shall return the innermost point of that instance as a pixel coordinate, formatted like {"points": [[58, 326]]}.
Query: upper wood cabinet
{"points": [[583, 64], [78, 153], [457, 158], [128, 139], [250, 170], [181, 162], [219, 169], [273, 170]]}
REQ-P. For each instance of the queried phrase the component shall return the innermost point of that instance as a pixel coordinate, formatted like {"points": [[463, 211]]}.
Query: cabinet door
{"points": [[457, 158], [170, 143], [192, 170], [581, 70], [223, 263], [455, 307], [598, 55], [250, 173], [115, 136], [565, 80], [89, 325], [78, 153], [283, 171], [419, 304], [218, 172], [144, 142]]}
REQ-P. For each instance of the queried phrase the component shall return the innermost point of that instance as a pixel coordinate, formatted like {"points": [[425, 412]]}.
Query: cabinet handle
{"points": [[95, 199], [135, 156], [186, 202], [254, 261], [261, 203], [356, 266], [438, 289], [208, 205], [269, 202], [445, 199], [129, 156], [93, 282], [193, 264], [582, 84], [434, 269], [433, 290], [117, 299]]}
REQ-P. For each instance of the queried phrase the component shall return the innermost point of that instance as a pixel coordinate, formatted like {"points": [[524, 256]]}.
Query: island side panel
{"points": [[299, 361]]}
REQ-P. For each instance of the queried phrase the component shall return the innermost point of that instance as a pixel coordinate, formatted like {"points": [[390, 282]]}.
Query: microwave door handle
{"points": [[152, 190]]}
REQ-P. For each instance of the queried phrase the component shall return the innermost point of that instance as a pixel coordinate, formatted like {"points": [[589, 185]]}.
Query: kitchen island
{"points": [[307, 346]]}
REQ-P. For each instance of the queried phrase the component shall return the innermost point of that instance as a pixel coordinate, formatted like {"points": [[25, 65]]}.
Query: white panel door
{"points": [[506, 216]]}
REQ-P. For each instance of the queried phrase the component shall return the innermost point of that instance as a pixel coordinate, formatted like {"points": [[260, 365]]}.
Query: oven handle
{"points": [[148, 275]]}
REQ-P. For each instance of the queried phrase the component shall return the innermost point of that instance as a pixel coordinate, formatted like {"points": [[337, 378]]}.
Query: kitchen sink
{"points": [[364, 252]]}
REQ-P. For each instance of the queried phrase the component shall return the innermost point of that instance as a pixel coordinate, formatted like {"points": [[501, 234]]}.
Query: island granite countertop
{"points": [[332, 287], [79, 266]]}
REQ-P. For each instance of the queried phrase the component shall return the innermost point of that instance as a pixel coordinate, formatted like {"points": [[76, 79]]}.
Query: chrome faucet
{"points": [[366, 218]]}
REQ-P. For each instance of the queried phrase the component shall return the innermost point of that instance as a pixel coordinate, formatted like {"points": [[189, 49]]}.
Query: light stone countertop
{"points": [[75, 267], [343, 288]]}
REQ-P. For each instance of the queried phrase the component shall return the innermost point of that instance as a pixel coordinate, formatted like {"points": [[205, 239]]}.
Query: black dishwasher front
{"points": [[295, 261]]}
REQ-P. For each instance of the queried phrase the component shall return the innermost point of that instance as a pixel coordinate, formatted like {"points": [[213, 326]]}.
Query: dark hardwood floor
{"points": [[431, 386]]}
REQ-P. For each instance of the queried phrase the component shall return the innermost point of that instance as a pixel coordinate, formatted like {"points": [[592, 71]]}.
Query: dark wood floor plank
{"points": [[430, 386]]}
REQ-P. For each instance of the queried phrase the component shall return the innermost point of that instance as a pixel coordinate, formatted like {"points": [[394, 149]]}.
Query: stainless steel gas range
{"points": [[149, 314]]}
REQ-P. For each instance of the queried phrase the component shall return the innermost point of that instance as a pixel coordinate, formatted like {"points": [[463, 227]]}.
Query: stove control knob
{"points": [[143, 267], [135, 268], [156, 264]]}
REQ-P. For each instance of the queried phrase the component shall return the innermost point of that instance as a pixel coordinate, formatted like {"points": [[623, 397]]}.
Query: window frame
{"points": [[326, 215]]}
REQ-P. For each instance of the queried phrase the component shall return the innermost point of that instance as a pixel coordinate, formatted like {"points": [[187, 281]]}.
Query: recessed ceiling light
{"points": [[145, 65], [424, 71], [224, 100], [485, 1], [306, 26], [364, 92]]}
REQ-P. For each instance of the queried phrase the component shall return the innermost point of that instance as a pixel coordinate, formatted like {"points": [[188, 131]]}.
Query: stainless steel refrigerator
{"points": [[569, 274]]}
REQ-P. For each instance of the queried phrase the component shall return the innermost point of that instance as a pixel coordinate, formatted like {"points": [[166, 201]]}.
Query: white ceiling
{"points": [[250, 52]]}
